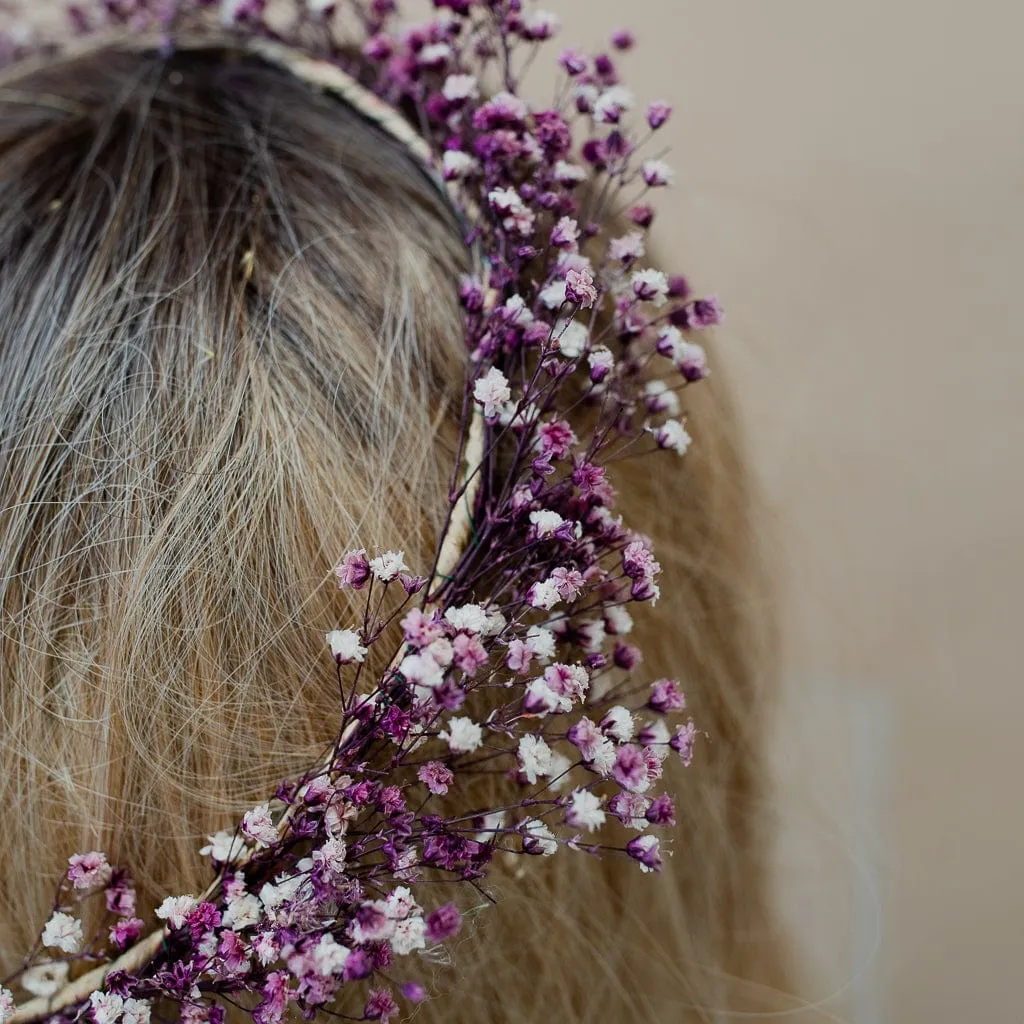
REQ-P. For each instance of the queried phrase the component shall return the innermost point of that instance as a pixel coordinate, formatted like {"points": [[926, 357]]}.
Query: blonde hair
{"points": [[232, 350]]}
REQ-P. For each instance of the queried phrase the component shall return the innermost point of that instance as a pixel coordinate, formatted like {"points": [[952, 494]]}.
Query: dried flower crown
{"points": [[514, 654]]}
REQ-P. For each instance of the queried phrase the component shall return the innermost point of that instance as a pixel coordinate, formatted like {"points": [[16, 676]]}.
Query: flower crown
{"points": [[513, 656]]}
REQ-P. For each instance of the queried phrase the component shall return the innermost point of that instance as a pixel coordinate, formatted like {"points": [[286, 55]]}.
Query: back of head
{"points": [[232, 348]]}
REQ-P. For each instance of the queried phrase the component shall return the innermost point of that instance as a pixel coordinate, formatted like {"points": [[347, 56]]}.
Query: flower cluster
{"points": [[515, 658]]}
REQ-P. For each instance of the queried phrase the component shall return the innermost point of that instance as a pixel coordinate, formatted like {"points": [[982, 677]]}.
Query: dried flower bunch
{"points": [[513, 654]]}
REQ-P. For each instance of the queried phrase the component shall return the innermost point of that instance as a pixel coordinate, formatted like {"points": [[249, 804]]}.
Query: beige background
{"points": [[851, 181]]}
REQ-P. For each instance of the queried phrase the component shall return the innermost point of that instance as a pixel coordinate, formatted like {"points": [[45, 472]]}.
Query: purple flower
{"points": [[380, 1006], [443, 923], [631, 769], [662, 811], [574, 62], [414, 992], [646, 850], [623, 39], [658, 114], [436, 777], [666, 696]]}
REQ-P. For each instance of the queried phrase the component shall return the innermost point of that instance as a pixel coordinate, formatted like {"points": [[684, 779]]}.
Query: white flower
{"points": [[456, 164], [537, 837], [460, 87], [45, 979], [345, 646], [224, 847], [517, 312], [435, 53], [7, 1006], [63, 932], [534, 757], [618, 724], [496, 622], [471, 618], [572, 338], [672, 435], [541, 641], [136, 1011], [627, 248], [603, 760], [569, 174], [409, 934], [584, 810], [463, 735], [552, 295], [611, 104], [545, 522], [330, 956], [259, 825], [399, 903], [559, 770], [243, 913], [656, 736], [618, 620], [387, 566], [661, 397], [422, 671], [656, 173], [175, 909], [517, 216], [544, 595], [542, 23], [651, 286], [106, 1007], [542, 696], [490, 825]]}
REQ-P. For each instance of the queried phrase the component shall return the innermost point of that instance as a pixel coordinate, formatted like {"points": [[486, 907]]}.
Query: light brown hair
{"points": [[231, 352]]}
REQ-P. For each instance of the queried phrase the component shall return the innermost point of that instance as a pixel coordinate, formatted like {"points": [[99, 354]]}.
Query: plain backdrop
{"points": [[850, 181]]}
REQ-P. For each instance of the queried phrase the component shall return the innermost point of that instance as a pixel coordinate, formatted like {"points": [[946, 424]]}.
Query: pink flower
{"points": [[88, 870], [568, 582], [420, 629], [630, 770], [258, 825], [354, 570], [579, 288], [492, 392], [7, 1006], [125, 931], [518, 657], [436, 777], [682, 742]]}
